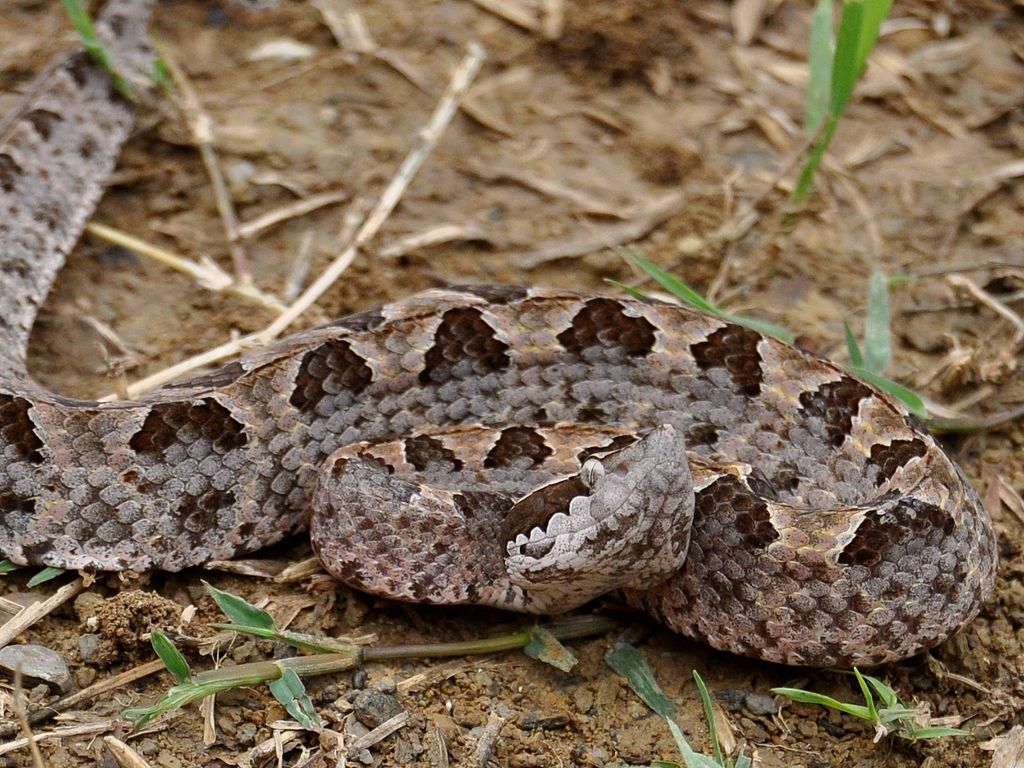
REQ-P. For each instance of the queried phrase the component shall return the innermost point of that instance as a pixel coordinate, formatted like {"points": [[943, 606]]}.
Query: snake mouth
{"points": [[531, 515]]}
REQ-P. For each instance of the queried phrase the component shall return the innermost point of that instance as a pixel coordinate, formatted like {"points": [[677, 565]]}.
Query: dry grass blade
{"points": [[201, 127], [512, 11], [62, 734], [990, 301], [37, 611], [290, 211], [96, 689], [379, 733], [123, 755], [207, 275], [19, 711], [435, 235]]}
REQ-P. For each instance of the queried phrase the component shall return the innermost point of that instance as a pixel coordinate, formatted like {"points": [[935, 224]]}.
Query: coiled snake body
{"points": [[524, 448]]}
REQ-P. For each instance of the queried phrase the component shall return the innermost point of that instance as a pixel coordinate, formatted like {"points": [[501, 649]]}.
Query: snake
{"points": [[525, 448]]}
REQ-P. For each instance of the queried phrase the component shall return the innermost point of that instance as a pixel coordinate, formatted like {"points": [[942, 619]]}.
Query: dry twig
{"points": [[206, 274], [201, 127], [33, 613]]}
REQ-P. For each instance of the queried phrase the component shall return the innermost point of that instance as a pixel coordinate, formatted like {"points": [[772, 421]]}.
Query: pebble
{"points": [[88, 644], [760, 704], [373, 707], [38, 664]]}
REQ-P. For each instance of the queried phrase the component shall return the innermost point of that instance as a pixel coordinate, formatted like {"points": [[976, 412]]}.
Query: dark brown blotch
{"points": [[518, 443], [602, 331], [323, 372], [49, 214], [701, 434], [80, 67], [464, 345], [891, 526], [198, 514], [18, 430], [836, 404], [423, 451], [751, 518], [484, 504], [14, 504], [9, 172], [42, 121], [734, 348], [890, 458], [169, 423]]}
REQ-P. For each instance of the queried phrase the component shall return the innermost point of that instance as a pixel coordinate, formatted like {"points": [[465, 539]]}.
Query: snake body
{"points": [[525, 448]]}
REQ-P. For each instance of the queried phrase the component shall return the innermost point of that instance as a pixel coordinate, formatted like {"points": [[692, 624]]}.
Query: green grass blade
{"points": [[6, 566], [877, 330], [46, 574], [761, 326], [636, 293], [627, 661], [846, 66], [239, 611], [820, 53], [908, 397], [674, 285], [691, 758], [289, 690], [809, 697], [869, 699], [709, 715], [170, 656], [82, 23], [884, 692], [852, 347], [691, 298], [803, 185], [937, 732], [875, 12]]}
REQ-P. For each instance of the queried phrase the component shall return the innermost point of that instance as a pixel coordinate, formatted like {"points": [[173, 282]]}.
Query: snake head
{"points": [[622, 521]]}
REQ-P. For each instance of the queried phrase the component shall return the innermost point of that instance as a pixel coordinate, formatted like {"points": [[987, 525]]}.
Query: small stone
{"points": [[38, 664], [731, 698], [373, 707], [88, 644], [760, 704]]}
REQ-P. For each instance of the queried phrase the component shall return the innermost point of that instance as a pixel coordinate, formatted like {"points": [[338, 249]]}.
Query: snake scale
{"points": [[524, 448]]}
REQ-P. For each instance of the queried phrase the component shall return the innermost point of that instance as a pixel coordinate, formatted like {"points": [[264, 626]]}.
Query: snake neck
{"points": [[57, 146]]}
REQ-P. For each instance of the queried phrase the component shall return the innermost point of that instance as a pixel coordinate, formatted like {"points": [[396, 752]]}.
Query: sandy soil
{"points": [[564, 141]]}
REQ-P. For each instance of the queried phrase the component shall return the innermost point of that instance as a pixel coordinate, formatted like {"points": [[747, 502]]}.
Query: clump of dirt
{"points": [[623, 41], [121, 624]]}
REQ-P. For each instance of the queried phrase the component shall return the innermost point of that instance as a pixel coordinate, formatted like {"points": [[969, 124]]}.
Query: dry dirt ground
{"points": [[630, 121]]}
